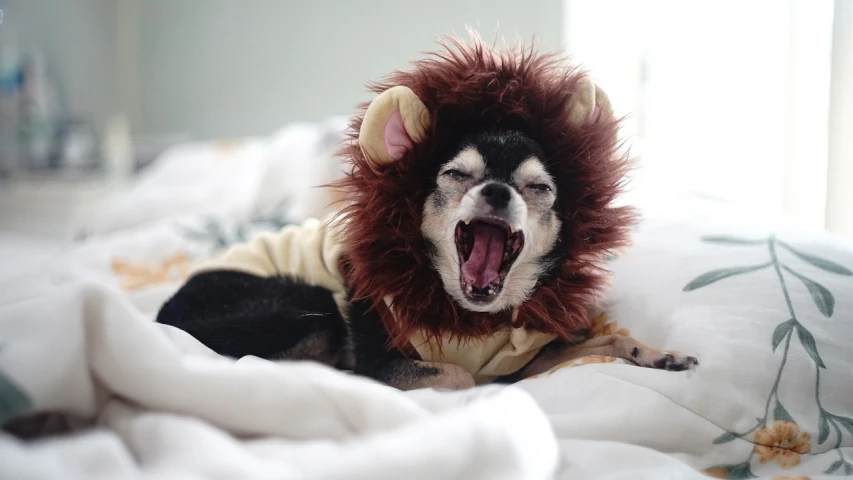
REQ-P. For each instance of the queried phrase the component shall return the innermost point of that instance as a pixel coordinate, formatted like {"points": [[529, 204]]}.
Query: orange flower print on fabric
{"points": [[228, 147], [134, 276], [594, 359], [600, 327], [576, 362], [716, 472], [783, 442]]}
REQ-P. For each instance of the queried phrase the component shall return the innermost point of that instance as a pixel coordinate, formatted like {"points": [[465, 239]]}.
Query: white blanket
{"points": [[166, 407]]}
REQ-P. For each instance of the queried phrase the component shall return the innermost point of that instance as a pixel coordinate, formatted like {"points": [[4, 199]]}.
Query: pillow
{"points": [[769, 314], [227, 179]]}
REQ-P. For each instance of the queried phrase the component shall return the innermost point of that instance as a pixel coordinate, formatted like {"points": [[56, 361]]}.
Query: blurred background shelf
{"points": [[45, 204]]}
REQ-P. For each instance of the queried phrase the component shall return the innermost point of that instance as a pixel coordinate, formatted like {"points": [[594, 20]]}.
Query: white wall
{"points": [[741, 117], [214, 68], [839, 195], [220, 68]]}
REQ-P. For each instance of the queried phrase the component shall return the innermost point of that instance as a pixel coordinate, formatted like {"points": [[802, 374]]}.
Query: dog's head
{"points": [[492, 218], [481, 190]]}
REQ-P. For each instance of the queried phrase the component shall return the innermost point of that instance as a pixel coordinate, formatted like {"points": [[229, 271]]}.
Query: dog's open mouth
{"points": [[487, 248]]}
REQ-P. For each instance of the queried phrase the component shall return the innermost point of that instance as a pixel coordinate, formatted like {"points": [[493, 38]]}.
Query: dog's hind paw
{"points": [[414, 374], [674, 361]]}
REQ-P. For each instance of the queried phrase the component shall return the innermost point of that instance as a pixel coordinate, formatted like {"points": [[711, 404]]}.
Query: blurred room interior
{"points": [[739, 102]]}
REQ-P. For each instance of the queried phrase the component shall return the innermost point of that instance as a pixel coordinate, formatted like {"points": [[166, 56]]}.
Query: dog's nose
{"points": [[496, 194]]}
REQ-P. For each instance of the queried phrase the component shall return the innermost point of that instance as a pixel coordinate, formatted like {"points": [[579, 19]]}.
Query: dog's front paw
{"points": [[452, 377], [673, 361], [415, 374]]}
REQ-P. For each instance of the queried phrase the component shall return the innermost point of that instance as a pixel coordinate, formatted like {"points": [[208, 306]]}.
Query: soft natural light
{"points": [[727, 99]]}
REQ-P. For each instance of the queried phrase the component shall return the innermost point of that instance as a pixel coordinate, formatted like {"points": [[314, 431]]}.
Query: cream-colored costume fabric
{"points": [[501, 353], [312, 252]]}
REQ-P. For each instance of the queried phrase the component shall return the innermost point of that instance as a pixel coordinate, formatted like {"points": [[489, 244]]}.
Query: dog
{"points": [[481, 190]]}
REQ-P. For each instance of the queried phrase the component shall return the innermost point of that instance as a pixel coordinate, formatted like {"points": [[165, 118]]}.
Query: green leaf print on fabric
{"points": [[737, 471], [835, 466], [817, 261], [807, 340], [847, 423], [717, 275], [219, 235], [781, 330], [822, 297], [783, 427], [13, 400], [779, 413], [725, 438], [834, 421], [729, 240], [823, 429], [841, 464]]}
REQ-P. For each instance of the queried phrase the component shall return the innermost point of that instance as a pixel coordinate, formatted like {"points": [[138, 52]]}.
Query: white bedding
{"points": [[671, 291], [163, 404], [77, 328]]}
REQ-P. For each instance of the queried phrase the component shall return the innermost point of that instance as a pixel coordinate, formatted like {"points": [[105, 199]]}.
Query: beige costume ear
{"points": [[394, 122], [588, 103]]}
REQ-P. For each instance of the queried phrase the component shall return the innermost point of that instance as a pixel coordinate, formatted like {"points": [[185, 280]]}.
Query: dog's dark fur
{"points": [[237, 314]]}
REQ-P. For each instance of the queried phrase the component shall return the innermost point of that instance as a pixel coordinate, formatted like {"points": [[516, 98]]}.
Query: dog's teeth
{"points": [[506, 255], [490, 291], [511, 229], [467, 221]]}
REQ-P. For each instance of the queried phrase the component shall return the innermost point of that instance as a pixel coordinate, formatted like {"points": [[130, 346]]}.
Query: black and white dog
{"points": [[480, 215], [493, 222]]}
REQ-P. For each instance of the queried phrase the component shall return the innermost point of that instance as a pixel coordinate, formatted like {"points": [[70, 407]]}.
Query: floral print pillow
{"points": [[776, 435], [770, 317]]}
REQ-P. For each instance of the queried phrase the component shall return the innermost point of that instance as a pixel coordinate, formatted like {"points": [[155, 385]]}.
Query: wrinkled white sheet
{"points": [[167, 407]]}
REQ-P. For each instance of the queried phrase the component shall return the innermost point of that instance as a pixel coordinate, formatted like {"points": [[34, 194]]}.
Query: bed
{"points": [[766, 308]]}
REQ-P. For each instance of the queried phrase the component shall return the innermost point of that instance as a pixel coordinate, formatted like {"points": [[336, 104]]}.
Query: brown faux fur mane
{"points": [[467, 88]]}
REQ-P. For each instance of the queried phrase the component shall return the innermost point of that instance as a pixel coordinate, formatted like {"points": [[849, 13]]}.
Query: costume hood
{"points": [[463, 88]]}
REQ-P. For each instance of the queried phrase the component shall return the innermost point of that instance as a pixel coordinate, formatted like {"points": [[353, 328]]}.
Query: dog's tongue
{"points": [[481, 268]]}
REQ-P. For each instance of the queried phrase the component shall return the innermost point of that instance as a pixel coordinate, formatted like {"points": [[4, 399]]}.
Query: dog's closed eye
{"points": [[456, 174], [539, 187]]}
